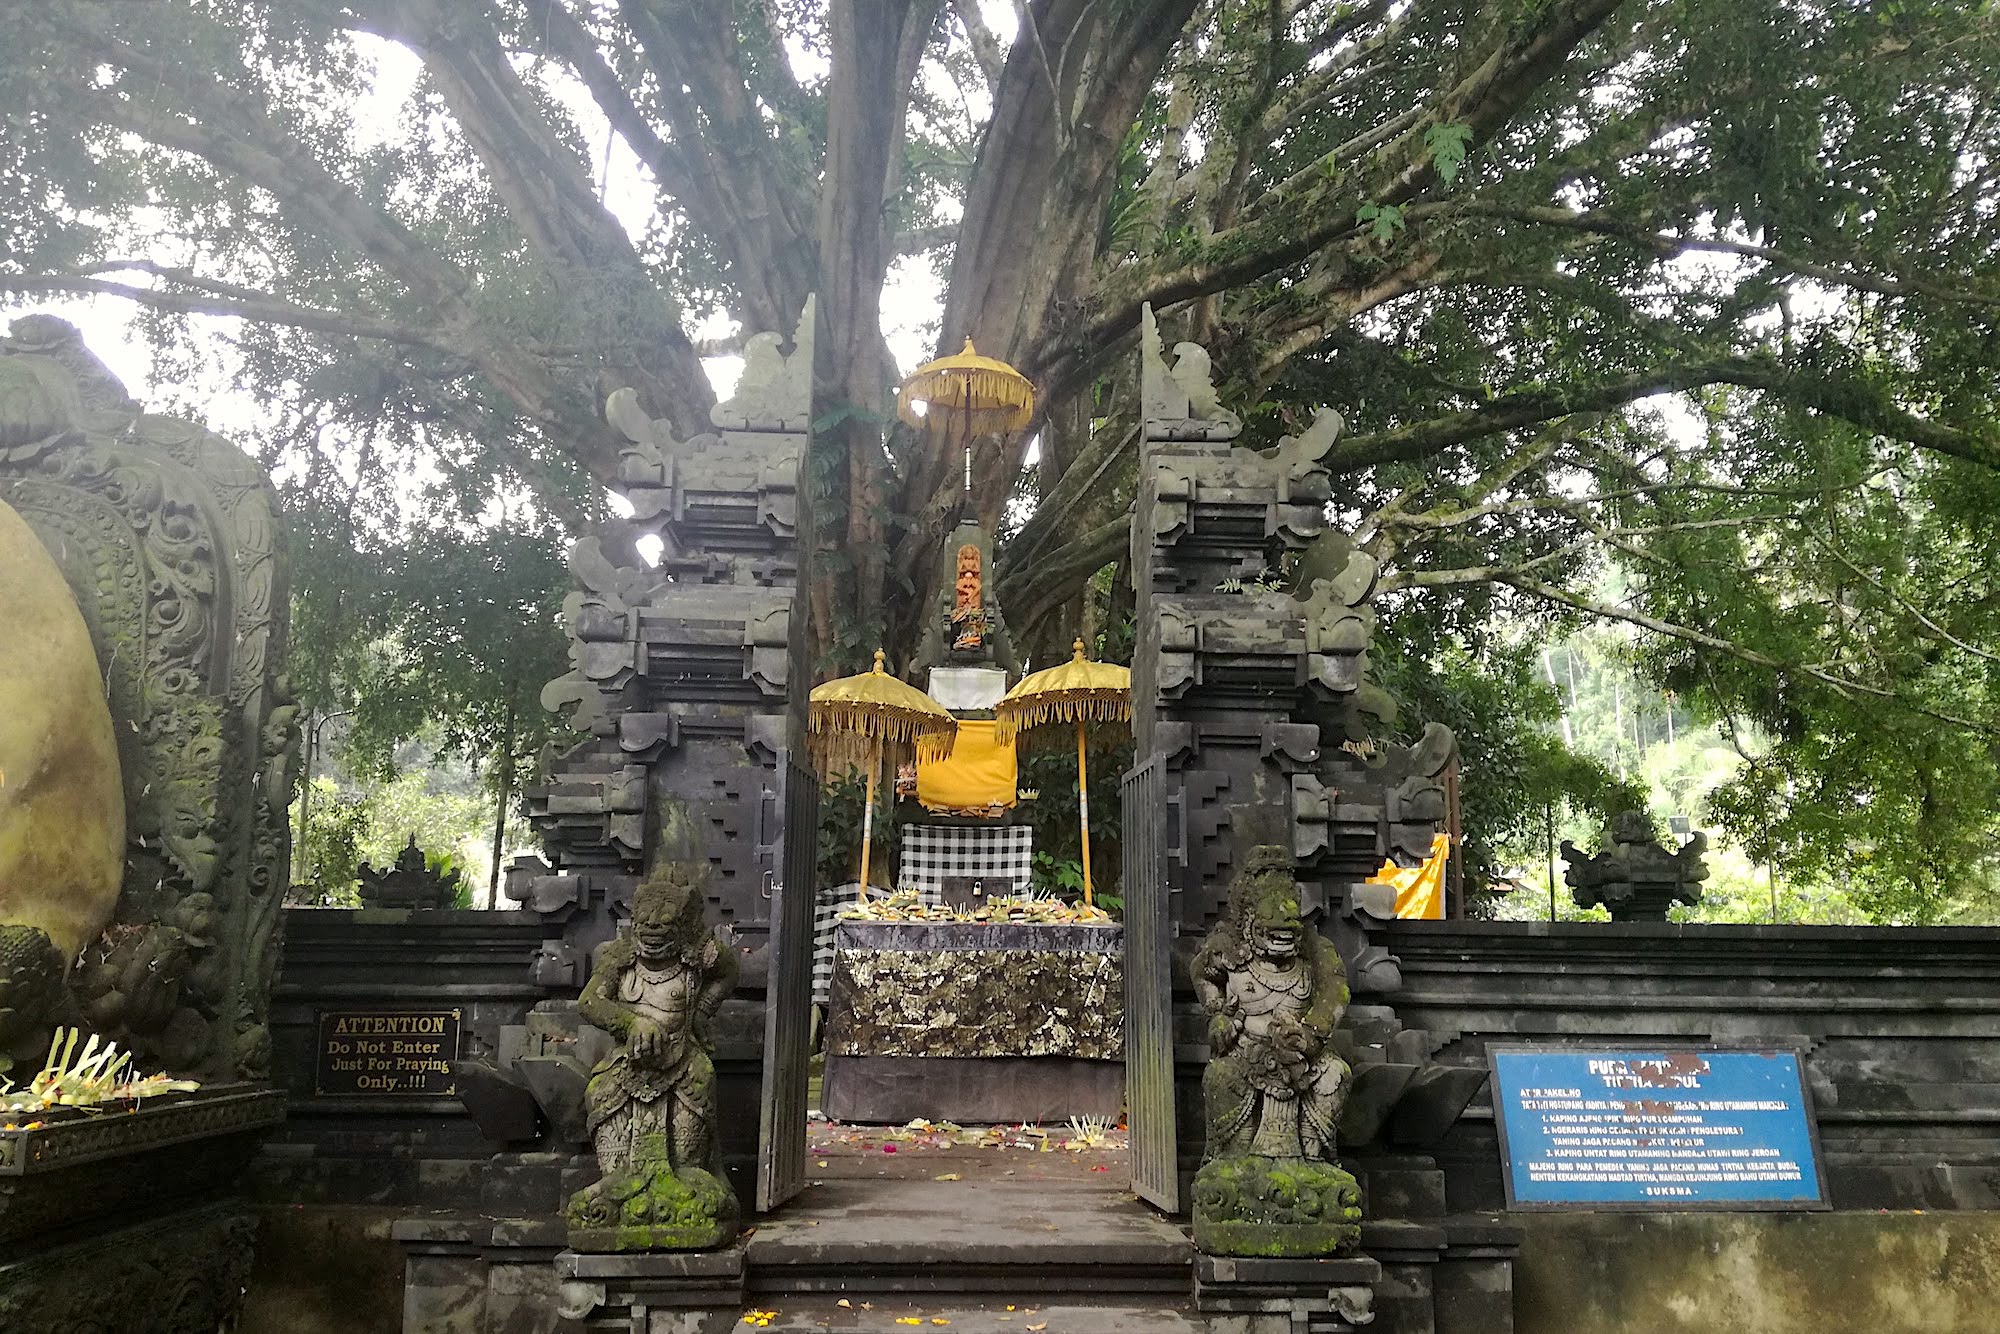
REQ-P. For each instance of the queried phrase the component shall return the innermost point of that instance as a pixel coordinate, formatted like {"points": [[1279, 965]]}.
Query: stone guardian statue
{"points": [[651, 1103], [1274, 990]]}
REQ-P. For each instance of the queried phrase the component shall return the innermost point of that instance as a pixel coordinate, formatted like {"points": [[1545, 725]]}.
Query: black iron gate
{"points": [[1149, 1031], [781, 1139]]}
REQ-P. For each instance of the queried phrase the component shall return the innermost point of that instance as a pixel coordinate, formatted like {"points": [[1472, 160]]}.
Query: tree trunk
{"points": [[504, 785], [866, 100]]}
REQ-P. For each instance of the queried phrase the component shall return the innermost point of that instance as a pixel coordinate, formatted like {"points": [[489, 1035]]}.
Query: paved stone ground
{"points": [[937, 1228], [891, 1316], [847, 1152]]}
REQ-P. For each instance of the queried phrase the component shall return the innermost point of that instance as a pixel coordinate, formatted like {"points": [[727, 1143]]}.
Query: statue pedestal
{"points": [[1334, 1294], [975, 1022], [662, 1292], [1252, 1206]]}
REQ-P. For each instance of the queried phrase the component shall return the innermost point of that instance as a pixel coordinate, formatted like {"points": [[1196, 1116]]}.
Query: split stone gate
{"points": [[1252, 718]]}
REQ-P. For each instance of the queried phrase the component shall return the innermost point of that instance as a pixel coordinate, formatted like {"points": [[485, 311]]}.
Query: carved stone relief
{"points": [[169, 539]]}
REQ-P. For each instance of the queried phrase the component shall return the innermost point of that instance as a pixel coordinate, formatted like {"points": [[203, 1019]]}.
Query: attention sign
{"points": [[1686, 1128], [386, 1053]]}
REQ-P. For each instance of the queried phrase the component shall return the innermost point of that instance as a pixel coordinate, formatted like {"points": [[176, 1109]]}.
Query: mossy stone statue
{"points": [[62, 806], [1274, 990], [651, 1102]]}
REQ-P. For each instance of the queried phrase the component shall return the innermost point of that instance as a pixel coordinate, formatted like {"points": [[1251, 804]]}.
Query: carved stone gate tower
{"points": [[689, 678]]}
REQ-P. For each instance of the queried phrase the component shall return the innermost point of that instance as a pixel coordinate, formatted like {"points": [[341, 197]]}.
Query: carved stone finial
{"points": [[1274, 990], [92, 385], [1635, 877], [1306, 451], [409, 884], [1183, 394], [774, 393], [651, 1103]]}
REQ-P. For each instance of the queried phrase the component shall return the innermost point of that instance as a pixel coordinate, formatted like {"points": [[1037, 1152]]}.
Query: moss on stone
{"points": [[1253, 1206]]}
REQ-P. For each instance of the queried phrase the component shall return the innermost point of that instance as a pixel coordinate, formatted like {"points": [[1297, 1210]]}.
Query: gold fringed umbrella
{"points": [[855, 719], [967, 395], [1080, 691]]}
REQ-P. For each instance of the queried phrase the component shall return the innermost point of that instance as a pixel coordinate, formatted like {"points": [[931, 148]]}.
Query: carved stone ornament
{"points": [[168, 538], [410, 883], [1274, 991], [773, 386], [1180, 401], [651, 1103], [1635, 877]]}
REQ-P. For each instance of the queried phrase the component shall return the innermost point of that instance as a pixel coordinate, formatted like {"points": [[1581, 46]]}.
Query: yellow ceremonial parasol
{"points": [[965, 396], [855, 719], [1080, 691]]}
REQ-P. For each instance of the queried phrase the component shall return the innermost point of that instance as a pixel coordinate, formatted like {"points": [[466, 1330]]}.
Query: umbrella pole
{"points": [[868, 819], [1083, 809]]}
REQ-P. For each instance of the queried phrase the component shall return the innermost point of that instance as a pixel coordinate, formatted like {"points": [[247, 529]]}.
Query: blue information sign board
{"points": [[1687, 1128]]}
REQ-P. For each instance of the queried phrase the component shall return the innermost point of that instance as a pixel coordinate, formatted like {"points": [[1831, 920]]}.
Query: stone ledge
{"points": [[629, 1265], [469, 1233], [1397, 1240], [1332, 1270]]}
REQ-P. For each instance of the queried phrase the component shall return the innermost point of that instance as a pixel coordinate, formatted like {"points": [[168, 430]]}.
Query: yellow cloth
{"points": [[980, 775], [1419, 889]]}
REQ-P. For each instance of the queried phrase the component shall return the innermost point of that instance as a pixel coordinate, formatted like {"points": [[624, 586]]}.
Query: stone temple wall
{"points": [[1900, 1026]]}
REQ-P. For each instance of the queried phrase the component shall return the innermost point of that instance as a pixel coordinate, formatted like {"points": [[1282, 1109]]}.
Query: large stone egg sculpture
{"points": [[62, 806]]}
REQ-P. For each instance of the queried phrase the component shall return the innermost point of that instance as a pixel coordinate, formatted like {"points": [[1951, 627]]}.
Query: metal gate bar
{"points": [[1149, 1034], [781, 1139]]}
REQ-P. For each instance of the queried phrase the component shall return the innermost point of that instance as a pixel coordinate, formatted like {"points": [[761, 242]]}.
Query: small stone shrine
{"points": [[410, 883], [651, 1102], [1274, 990], [1635, 877]]}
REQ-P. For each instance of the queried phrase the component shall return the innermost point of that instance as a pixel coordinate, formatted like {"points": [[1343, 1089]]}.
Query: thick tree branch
{"points": [[986, 49], [769, 200], [258, 151], [574, 45], [246, 306], [548, 194], [1842, 397], [1318, 208]]}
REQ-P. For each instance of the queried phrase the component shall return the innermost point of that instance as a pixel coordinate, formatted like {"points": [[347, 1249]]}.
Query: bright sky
{"points": [[910, 304]]}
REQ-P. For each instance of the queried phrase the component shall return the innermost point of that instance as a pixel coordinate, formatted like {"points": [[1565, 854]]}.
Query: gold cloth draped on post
{"points": [[980, 774]]}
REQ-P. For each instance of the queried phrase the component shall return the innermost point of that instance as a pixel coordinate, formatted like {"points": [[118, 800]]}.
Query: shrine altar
{"points": [[975, 1022]]}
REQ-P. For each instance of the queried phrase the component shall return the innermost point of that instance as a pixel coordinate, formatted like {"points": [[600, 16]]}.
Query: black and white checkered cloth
{"points": [[991, 853], [931, 852], [826, 914]]}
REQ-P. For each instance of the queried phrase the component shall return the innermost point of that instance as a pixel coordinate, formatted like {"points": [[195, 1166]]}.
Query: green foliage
{"points": [[1446, 143], [350, 822], [329, 850], [1382, 220], [1056, 879], [1840, 824], [1050, 772], [1513, 765]]}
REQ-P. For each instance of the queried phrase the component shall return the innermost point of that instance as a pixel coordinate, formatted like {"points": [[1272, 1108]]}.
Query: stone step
{"points": [[890, 1315], [906, 1237]]}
